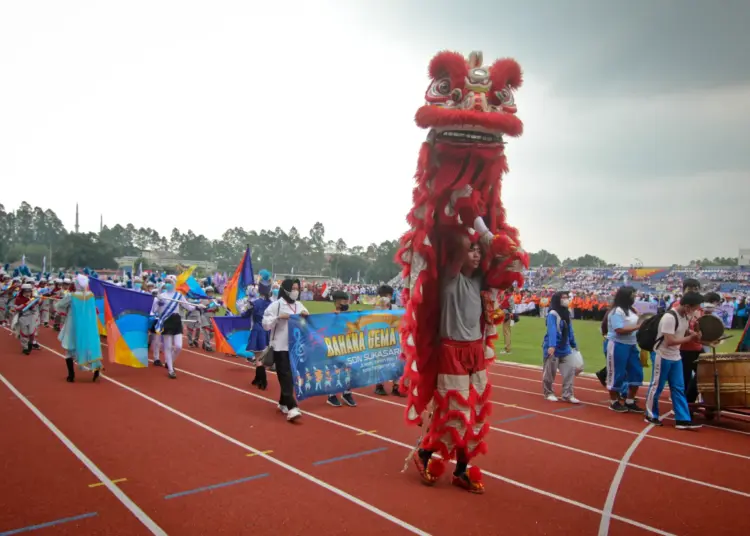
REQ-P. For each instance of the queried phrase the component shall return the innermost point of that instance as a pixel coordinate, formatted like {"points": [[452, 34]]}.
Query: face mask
{"points": [[344, 307], [169, 287], [137, 286], [565, 302], [293, 295]]}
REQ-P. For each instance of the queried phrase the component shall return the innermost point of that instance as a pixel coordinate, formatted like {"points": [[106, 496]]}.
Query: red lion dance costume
{"points": [[469, 110]]}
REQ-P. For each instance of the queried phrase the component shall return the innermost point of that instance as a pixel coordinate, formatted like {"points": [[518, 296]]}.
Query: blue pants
{"points": [[665, 371], [624, 367]]}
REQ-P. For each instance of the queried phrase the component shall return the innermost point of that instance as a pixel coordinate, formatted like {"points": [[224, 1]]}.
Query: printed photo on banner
{"points": [[331, 353]]}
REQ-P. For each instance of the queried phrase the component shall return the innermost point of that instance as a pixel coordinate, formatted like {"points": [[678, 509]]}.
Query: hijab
{"points": [[286, 289], [563, 312]]}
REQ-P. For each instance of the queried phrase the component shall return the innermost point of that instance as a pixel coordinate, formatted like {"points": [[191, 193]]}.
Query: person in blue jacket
{"points": [[559, 343]]}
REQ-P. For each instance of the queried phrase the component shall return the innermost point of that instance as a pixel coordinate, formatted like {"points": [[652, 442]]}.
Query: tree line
{"points": [[38, 233]]}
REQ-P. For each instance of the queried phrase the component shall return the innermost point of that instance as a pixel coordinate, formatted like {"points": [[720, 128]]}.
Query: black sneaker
{"points": [[635, 408], [172, 375], [380, 390], [96, 375], [349, 399], [687, 425], [653, 420], [618, 406], [157, 363], [334, 401]]}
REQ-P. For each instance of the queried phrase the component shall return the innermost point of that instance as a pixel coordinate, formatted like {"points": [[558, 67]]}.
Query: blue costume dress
{"points": [[259, 337]]}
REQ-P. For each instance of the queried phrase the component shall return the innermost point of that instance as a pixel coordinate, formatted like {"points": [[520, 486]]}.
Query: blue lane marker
{"points": [[530, 415], [350, 456], [50, 524], [578, 406], [216, 486]]}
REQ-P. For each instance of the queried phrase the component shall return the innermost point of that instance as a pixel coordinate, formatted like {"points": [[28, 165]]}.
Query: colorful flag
{"points": [[232, 334], [97, 288], [127, 315], [187, 285], [236, 288]]}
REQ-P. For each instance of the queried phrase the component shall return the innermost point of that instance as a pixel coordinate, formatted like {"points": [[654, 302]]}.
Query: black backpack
{"points": [[648, 334]]}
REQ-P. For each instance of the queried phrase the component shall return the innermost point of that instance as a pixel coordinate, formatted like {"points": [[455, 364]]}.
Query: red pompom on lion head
{"points": [[469, 103]]}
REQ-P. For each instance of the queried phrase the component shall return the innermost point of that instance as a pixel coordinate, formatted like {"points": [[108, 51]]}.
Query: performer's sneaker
{"points": [[380, 390], [96, 375], [349, 400], [334, 401], [157, 363], [687, 425], [429, 476], [396, 392], [70, 379], [293, 414], [635, 408], [172, 375], [471, 481], [283, 409], [618, 406], [653, 420], [36, 346]]}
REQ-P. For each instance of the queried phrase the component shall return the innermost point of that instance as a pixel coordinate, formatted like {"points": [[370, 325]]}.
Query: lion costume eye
{"points": [[505, 96], [440, 88]]}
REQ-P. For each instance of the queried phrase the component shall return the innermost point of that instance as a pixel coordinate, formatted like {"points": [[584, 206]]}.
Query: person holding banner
{"points": [[276, 320], [79, 336], [168, 322], [341, 303], [385, 302]]}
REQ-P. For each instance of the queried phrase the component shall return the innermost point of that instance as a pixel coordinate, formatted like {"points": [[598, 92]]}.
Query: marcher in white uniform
{"points": [[169, 322]]}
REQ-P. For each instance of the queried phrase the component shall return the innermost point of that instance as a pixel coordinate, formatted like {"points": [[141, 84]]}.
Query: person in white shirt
{"points": [[276, 320], [166, 310], [673, 332]]}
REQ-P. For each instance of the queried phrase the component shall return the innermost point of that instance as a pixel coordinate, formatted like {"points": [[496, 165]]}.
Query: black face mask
{"points": [[344, 307]]}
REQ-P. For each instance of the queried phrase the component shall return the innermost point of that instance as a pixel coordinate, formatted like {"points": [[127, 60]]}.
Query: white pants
{"points": [[172, 348], [156, 343]]}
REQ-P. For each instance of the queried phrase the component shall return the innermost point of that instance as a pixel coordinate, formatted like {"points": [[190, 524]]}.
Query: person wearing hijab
{"points": [[276, 320], [559, 342], [79, 335]]}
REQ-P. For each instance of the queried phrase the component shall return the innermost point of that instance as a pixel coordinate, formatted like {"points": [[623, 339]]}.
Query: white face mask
{"points": [[294, 295]]}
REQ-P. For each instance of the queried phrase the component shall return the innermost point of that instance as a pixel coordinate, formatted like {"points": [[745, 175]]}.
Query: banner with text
{"points": [[331, 353]]}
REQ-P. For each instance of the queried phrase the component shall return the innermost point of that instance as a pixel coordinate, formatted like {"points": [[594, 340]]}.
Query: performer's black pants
{"points": [[690, 367], [286, 380]]}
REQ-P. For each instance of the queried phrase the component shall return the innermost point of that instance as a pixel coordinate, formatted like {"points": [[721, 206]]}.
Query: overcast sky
{"points": [[209, 115]]}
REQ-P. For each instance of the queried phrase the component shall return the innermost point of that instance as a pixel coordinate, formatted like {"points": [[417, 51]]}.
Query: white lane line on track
{"points": [[500, 430], [260, 453], [149, 523], [617, 479], [237, 361], [605, 406], [410, 447]]}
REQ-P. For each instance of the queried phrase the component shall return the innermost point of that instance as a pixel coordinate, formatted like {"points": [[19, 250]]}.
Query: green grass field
{"points": [[527, 336]]}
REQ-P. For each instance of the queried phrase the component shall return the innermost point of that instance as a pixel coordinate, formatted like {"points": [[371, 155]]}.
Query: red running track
{"points": [[550, 469]]}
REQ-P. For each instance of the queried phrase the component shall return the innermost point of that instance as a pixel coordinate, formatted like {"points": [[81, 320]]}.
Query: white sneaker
{"points": [[572, 400], [283, 409], [551, 398], [293, 414]]}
